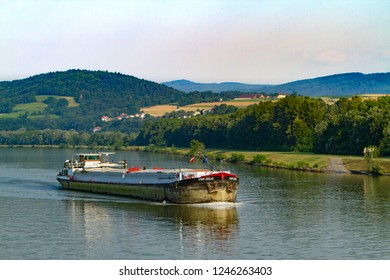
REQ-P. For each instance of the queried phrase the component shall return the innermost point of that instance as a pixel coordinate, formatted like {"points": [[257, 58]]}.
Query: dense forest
{"points": [[295, 123]]}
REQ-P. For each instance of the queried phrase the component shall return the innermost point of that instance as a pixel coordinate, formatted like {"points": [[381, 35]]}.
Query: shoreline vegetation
{"points": [[299, 161]]}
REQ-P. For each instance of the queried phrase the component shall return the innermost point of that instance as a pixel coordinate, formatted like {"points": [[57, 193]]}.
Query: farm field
{"points": [[373, 95], [160, 110]]}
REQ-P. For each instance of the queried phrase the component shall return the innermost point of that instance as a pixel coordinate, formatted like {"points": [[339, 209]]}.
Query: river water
{"points": [[279, 214]]}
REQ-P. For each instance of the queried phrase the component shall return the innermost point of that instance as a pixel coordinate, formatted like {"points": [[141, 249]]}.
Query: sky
{"points": [[248, 41]]}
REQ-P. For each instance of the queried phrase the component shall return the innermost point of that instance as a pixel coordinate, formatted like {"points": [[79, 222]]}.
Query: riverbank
{"points": [[288, 160], [285, 160]]}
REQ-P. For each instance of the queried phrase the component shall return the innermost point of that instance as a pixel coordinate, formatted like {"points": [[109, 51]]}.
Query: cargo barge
{"points": [[93, 172]]}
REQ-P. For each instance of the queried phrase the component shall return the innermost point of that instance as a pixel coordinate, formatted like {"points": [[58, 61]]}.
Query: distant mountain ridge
{"points": [[189, 86], [337, 85]]}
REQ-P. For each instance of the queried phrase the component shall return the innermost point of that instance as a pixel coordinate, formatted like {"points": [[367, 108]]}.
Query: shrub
{"points": [[259, 158], [151, 148], [235, 157], [302, 164], [376, 169]]}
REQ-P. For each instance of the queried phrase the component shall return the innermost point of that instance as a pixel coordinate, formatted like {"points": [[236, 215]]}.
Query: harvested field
{"points": [[160, 110], [373, 96]]}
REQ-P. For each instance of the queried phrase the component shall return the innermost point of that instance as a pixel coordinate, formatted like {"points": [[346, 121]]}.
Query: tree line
{"points": [[295, 123], [66, 138]]}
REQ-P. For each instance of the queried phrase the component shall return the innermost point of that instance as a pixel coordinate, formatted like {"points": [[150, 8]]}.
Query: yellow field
{"points": [[329, 101], [372, 95], [160, 110], [364, 96]]}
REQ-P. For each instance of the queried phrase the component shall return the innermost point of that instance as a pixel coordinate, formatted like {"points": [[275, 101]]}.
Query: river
{"points": [[279, 215]]}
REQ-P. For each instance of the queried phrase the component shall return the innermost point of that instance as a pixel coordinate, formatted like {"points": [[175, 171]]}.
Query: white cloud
{"points": [[331, 57]]}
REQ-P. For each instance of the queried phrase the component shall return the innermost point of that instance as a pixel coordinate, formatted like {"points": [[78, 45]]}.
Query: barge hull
{"points": [[181, 192]]}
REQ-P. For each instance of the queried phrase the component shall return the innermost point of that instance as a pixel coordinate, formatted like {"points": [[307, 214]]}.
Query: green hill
{"points": [[95, 91], [76, 99]]}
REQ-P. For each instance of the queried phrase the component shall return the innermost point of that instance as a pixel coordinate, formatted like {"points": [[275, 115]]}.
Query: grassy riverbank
{"points": [[287, 160]]}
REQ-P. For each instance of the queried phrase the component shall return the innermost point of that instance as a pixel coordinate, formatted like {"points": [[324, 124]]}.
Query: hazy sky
{"points": [[263, 41]]}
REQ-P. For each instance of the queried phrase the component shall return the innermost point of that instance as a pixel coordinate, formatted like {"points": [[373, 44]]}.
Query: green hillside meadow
{"points": [[36, 109]]}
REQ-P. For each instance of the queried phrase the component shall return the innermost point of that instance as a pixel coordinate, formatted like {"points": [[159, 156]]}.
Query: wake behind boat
{"points": [[95, 173]]}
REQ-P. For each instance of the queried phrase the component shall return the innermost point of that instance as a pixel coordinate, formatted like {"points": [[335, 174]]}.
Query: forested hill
{"points": [[76, 99], [339, 85], [98, 91]]}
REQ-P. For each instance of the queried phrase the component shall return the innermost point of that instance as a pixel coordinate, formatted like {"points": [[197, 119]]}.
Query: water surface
{"points": [[279, 214]]}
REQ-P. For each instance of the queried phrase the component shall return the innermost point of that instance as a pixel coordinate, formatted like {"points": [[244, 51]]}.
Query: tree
{"points": [[196, 147], [300, 136]]}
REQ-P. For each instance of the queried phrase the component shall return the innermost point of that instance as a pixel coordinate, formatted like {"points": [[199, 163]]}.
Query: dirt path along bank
{"points": [[337, 165]]}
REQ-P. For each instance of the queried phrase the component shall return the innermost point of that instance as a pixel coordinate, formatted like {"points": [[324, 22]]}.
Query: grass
{"points": [[361, 165], [37, 108], [30, 107], [357, 164], [289, 160], [70, 99], [10, 115]]}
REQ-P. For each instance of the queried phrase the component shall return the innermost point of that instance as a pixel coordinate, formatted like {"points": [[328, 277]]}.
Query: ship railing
{"points": [[73, 164]]}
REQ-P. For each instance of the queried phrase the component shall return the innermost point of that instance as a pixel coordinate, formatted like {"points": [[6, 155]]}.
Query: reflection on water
{"points": [[207, 230], [376, 186], [209, 227]]}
